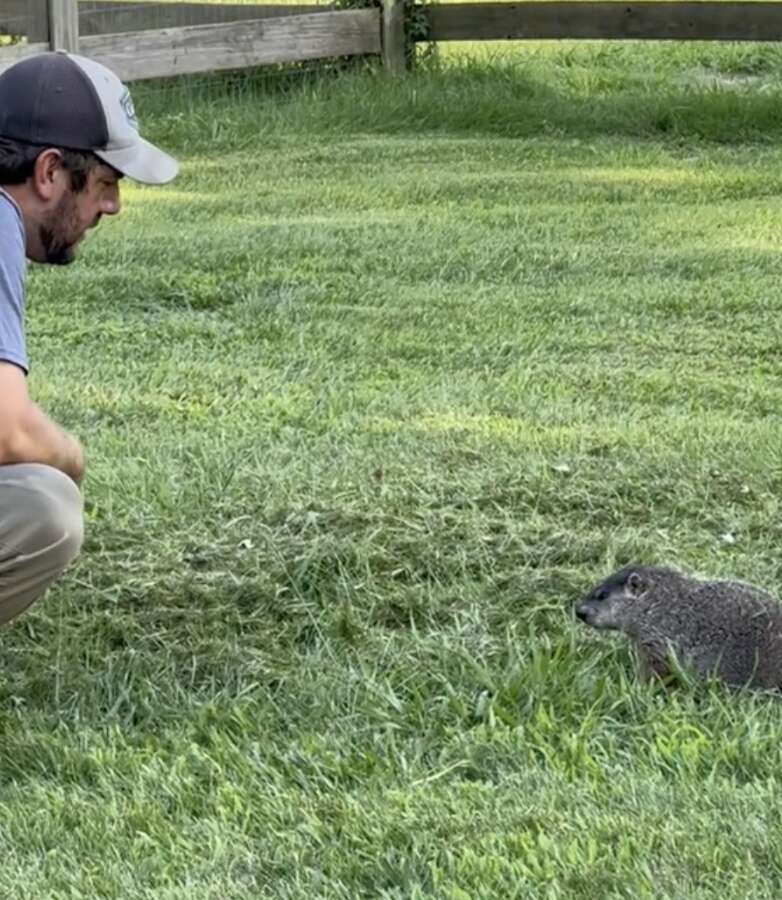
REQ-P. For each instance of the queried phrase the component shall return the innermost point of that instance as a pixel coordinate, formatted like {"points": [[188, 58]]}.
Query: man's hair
{"points": [[17, 161]]}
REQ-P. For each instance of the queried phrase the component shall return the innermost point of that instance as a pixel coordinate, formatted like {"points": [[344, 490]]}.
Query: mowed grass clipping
{"points": [[370, 395]]}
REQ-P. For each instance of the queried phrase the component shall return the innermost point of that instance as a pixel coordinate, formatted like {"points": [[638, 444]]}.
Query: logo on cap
{"points": [[127, 107]]}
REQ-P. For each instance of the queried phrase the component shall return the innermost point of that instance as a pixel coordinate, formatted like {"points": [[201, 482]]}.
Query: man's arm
{"points": [[27, 435]]}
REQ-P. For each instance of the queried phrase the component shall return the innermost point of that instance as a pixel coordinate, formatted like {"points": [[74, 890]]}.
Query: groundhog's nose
{"points": [[582, 612]]}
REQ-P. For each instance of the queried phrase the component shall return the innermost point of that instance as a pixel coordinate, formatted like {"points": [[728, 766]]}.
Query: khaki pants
{"points": [[41, 531]]}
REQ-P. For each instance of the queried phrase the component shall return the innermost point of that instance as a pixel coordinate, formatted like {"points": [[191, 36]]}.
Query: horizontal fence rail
{"points": [[100, 17], [236, 45], [10, 55], [700, 21]]}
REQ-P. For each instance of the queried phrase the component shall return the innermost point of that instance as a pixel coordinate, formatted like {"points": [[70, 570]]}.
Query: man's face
{"points": [[62, 228]]}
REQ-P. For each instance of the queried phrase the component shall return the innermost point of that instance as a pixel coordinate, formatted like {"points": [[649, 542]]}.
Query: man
{"points": [[68, 133]]}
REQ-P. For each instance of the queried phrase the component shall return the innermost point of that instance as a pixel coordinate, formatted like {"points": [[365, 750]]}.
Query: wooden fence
{"points": [[679, 21], [158, 39], [131, 41]]}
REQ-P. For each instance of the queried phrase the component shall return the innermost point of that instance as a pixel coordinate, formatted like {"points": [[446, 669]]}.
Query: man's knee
{"points": [[41, 516]]}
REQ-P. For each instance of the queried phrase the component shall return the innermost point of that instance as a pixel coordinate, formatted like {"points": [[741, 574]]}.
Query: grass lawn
{"points": [[370, 395]]}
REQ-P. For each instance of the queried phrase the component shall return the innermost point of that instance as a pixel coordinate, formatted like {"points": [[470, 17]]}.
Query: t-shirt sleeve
{"points": [[12, 272]]}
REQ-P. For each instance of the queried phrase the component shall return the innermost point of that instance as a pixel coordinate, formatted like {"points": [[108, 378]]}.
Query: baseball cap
{"points": [[65, 100]]}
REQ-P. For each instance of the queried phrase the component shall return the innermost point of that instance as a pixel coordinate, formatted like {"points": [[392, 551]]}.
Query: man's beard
{"points": [[58, 233]]}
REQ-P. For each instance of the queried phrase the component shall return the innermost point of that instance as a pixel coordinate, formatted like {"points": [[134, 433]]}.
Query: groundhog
{"points": [[723, 629]]}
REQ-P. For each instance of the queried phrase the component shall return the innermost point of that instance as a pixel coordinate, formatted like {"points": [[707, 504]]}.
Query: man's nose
{"points": [[111, 204]]}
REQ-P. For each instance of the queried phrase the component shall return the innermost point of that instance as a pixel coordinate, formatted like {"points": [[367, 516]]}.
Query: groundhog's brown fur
{"points": [[726, 629]]}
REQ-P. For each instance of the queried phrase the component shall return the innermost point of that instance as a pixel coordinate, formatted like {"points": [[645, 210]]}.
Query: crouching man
{"points": [[68, 133]]}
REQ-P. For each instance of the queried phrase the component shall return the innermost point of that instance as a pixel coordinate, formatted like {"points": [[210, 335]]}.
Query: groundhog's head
{"points": [[608, 604]]}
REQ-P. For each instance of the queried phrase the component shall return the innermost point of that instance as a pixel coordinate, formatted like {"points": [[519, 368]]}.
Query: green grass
{"points": [[387, 378]]}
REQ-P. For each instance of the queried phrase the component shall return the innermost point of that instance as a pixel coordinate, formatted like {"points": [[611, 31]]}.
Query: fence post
{"points": [[394, 36], [64, 25]]}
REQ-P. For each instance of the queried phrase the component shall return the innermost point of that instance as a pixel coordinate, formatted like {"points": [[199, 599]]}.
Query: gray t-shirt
{"points": [[12, 271]]}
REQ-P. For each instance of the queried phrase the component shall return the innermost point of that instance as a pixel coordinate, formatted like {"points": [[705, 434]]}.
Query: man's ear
{"points": [[635, 584], [48, 173]]}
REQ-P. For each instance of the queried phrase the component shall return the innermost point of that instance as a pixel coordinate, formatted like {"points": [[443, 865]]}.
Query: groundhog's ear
{"points": [[635, 584]]}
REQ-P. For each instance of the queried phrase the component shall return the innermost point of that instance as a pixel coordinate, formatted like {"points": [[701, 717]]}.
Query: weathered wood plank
{"points": [[208, 48], [672, 20], [102, 17], [394, 36], [25, 17], [10, 55]]}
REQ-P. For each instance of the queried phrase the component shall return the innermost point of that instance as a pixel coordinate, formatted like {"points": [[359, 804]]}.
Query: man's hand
{"points": [[27, 435], [75, 463]]}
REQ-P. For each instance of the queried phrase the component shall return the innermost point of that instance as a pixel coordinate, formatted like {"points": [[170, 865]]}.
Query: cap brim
{"points": [[142, 162]]}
